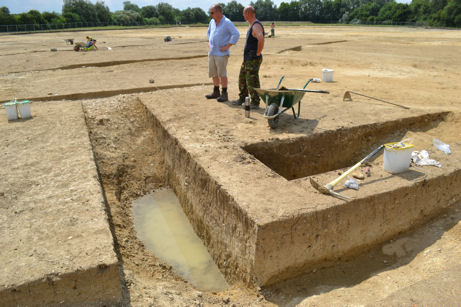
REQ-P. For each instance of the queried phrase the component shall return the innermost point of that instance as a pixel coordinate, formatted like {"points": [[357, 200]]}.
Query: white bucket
{"points": [[397, 157], [24, 108], [327, 75], [11, 111]]}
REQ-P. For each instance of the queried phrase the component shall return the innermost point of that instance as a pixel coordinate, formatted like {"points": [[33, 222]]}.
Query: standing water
{"points": [[164, 229]]}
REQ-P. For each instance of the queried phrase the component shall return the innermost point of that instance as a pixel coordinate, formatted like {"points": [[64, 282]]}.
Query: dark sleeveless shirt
{"points": [[251, 45]]}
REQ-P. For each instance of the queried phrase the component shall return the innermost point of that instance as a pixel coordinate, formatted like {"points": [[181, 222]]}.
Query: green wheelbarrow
{"points": [[279, 100]]}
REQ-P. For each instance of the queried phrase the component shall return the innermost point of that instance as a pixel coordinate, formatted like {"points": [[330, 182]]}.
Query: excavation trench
{"points": [[255, 243], [316, 154], [124, 62], [112, 63], [102, 94]]}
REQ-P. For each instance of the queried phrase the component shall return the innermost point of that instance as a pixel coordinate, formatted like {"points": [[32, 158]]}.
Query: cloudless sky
{"points": [[20, 6]]}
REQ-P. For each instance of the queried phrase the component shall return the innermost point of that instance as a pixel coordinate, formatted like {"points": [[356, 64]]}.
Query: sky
{"points": [[20, 6]]}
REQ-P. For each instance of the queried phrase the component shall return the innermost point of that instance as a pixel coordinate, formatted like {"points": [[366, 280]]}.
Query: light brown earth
{"points": [[418, 68]]}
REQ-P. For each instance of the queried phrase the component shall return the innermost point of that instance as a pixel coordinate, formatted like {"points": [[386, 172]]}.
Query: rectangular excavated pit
{"points": [[332, 150], [262, 228]]}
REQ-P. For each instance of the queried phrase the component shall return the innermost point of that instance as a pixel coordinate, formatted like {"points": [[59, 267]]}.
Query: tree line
{"points": [[437, 13]]}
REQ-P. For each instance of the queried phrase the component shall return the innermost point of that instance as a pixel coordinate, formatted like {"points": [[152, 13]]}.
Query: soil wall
{"points": [[288, 247], [226, 230], [73, 289]]}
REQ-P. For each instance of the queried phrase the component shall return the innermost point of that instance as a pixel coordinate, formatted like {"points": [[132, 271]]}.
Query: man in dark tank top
{"points": [[252, 59]]}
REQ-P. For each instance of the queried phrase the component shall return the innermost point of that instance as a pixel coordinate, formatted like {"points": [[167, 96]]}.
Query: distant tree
{"points": [[71, 17], [38, 18], [451, 14], [352, 4], [177, 15], [310, 10], [333, 10], [234, 11], [420, 10], [26, 19], [393, 12], [200, 15], [51, 17], [128, 6], [149, 11], [193, 15], [187, 16], [127, 18], [438, 5], [85, 10], [166, 13], [364, 12], [152, 21], [432, 12], [265, 9], [289, 11], [103, 13], [5, 17], [31, 17]]}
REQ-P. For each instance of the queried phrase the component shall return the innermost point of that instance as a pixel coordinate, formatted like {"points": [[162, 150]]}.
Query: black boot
{"points": [[215, 93], [223, 97]]}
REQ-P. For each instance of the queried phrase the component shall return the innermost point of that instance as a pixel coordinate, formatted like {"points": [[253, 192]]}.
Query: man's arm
{"points": [[259, 35], [235, 35]]}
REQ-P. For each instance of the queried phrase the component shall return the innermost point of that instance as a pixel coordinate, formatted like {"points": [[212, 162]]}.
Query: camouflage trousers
{"points": [[249, 78]]}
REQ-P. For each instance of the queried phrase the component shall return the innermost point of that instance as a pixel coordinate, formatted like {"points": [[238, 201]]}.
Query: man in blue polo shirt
{"points": [[222, 34]]}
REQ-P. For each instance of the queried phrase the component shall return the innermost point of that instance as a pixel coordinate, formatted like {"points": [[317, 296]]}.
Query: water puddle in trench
{"points": [[164, 229]]}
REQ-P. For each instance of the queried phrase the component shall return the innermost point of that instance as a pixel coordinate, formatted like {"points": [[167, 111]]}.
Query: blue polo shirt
{"points": [[221, 35]]}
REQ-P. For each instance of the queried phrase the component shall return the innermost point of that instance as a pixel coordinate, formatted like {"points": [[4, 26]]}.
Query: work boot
{"points": [[223, 97], [215, 93], [237, 102]]}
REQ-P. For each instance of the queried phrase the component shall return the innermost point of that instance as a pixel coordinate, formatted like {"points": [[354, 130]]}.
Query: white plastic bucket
{"points": [[11, 111], [24, 108], [327, 75], [397, 157]]}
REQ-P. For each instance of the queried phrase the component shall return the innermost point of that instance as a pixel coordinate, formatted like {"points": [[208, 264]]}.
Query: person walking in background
{"points": [[272, 29], [222, 34], [252, 59]]}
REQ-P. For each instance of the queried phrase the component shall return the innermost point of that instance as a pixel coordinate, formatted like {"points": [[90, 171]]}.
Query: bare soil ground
{"points": [[415, 67]]}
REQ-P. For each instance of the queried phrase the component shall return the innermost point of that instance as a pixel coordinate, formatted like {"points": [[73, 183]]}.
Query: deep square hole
{"points": [[335, 149]]}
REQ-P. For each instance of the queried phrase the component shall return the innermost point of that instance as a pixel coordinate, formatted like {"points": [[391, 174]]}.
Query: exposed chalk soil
{"points": [[414, 67]]}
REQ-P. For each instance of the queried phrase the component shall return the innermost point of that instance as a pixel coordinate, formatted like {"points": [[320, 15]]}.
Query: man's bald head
{"points": [[249, 10]]}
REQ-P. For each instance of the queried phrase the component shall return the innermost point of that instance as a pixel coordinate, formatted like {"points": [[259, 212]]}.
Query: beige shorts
{"points": [[217, 66]]}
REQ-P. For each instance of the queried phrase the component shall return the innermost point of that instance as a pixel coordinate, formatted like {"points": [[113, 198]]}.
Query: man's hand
{"points": [[224, 48]]}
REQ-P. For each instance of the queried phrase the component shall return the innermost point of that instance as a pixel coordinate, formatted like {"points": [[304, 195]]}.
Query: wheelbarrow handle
{"points": [[280, 81], [308, 81], [309, 91]]}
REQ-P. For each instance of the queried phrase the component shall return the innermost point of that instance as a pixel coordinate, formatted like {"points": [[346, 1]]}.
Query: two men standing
{"points": [[222, 34]]}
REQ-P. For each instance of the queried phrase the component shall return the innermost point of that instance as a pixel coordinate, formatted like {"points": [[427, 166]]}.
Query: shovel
{"points": [[347, 97]]}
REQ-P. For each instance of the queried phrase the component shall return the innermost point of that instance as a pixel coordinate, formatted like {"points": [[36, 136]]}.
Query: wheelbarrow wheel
{"points": [[273, 109]]}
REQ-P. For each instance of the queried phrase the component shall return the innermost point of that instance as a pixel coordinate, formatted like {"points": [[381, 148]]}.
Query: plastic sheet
{"points": [[422, 158], [351, 183], [441, 146]]}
